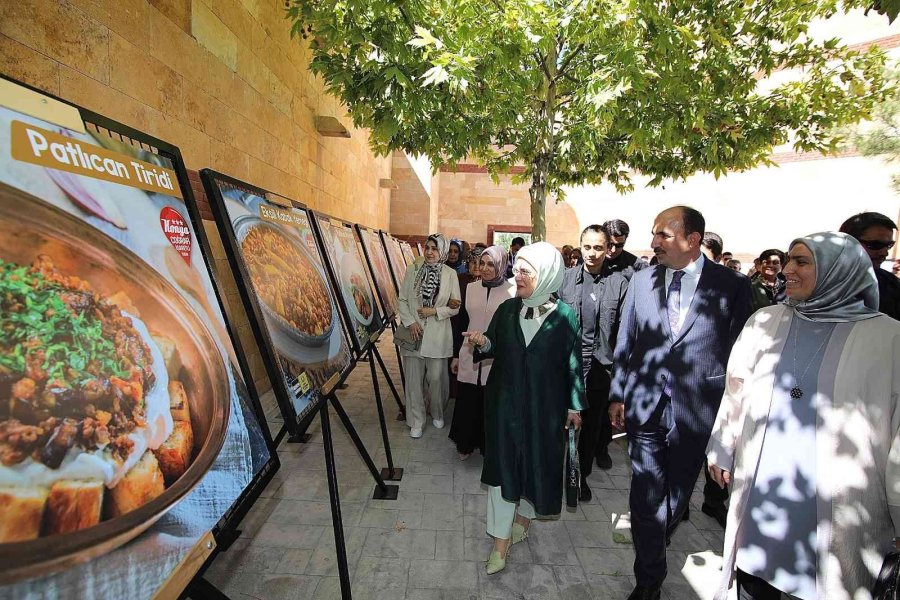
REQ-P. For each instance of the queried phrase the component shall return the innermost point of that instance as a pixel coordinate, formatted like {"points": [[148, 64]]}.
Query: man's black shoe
{"points": [[643, 593], [585, 494], [719, 513], [686, 515], [604, 461]]}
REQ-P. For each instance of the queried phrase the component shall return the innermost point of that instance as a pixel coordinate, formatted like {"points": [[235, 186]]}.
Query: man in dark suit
{"points": [[678, 325]]}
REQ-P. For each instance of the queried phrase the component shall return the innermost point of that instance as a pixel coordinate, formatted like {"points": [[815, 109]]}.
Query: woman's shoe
{"points": [[519, 533], [495, 562]]}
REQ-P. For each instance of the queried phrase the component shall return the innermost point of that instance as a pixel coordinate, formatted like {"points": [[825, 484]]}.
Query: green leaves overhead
{"points": [[587, 91]]}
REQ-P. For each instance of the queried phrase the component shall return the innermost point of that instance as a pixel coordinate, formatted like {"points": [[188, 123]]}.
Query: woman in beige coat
{"points": [[808, 433], [429, 296]]}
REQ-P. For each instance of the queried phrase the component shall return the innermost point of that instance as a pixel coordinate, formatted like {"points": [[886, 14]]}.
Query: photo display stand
{"points": [[408, 255], [379, 267], [286, 292], [95, 210], [346, 267], [292, 304], [397, 264]]}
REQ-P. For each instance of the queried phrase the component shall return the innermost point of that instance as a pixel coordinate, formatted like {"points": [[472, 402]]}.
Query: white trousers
{"points": [[420, 371], [501, 513]]}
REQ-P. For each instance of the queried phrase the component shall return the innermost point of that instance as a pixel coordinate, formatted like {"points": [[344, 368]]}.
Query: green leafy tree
{"points": [[587, 91], [881, 137]]}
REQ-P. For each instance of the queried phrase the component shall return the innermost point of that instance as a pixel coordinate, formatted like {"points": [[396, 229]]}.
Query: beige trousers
{"points": [[419, 373]]}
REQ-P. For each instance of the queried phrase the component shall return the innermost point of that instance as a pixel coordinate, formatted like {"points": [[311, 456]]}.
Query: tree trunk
{"points": [[538, 194]]}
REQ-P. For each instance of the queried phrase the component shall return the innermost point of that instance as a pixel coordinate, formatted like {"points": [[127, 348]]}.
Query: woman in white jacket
{"points": [[808, 433], [428, 298]]}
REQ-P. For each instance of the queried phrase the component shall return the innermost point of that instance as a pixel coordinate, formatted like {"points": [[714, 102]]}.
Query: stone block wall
{"points": [[470, 201], [221, 79], [411, 205]]}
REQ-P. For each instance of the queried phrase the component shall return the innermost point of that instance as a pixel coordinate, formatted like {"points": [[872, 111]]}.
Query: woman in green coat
{"points": [[533, 394]]}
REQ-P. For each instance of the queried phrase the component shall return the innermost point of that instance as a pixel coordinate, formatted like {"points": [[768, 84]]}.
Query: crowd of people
{"points": [[781, 386]]}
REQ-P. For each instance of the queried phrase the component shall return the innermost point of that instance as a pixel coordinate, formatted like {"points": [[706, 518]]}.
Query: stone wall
{"points": [[470, 202], [410, 202], [221, 79]]}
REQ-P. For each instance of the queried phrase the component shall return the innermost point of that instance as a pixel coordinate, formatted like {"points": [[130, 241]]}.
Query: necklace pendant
{"points": [[796, 393]]}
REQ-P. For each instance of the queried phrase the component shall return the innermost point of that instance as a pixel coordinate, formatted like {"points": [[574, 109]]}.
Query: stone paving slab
{"points": [[431, 544]]}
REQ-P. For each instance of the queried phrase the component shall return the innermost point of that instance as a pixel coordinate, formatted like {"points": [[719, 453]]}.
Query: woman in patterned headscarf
{"points": [[428, 298], [534, 392]]}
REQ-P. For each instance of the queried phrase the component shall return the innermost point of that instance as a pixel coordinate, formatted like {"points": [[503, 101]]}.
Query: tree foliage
{"points": [[881, 137], [590, 91]]}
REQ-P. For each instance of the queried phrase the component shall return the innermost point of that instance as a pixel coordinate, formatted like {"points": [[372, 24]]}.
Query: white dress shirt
{"points": [[689, 282]]}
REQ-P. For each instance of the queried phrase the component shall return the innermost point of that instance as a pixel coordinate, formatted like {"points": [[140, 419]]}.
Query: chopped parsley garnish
{"points": [[35, 317]]}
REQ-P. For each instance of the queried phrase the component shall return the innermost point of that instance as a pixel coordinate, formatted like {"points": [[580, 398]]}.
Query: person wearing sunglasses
{"points": [[768, 288], [619, 260], [875, 232]]}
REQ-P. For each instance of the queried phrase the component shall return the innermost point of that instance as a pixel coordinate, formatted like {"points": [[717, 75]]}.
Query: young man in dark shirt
{"points": [[596, 294], [875, 232], [619, 260]]}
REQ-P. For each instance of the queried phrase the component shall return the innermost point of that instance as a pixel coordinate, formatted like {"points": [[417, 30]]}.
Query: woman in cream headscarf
{"points": [[429, 296], [808, 433], [534, 392]]}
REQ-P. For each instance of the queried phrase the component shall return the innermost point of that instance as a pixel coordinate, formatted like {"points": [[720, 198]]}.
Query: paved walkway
{"points": [[430, 543]]}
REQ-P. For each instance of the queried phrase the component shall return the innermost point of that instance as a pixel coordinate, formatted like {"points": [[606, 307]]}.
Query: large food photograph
{"points": [[117, 375], [292, 291], [407, 253], [395, 255], [287, 277], [348, 265], [381, 271]]}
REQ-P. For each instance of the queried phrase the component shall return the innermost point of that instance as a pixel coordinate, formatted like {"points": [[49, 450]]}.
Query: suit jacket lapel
{"points": [[703, 285], [659, 289]]}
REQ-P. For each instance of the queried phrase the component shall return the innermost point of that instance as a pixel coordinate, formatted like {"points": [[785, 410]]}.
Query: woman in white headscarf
{"points": [[428, 298], [808, 433], [533, 393]]}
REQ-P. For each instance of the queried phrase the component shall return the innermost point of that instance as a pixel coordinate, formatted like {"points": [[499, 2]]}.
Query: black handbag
{"points": [[573, 470], [887, 586]]}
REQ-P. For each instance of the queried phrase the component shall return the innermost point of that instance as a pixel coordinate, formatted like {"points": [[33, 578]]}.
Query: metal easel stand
{"points": [[399, 361], [390, 473], [373, 351], [383, 491]]}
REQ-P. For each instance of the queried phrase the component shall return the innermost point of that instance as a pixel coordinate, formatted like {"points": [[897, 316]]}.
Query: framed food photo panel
{"points": [[395, 257], [407, 253], [347, 267], [129, 412], [377, 260], [285, 290]]}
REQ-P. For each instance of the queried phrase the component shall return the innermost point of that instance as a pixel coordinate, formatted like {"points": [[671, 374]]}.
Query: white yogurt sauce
{"points": [[100, 464]]}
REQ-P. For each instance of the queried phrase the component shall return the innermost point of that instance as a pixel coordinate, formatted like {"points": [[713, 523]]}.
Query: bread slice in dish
{"points": [[141, 484], [21, 510], [73, 505], [178, 402], [174, 455]]}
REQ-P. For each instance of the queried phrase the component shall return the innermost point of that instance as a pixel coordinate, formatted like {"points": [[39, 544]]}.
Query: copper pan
{"points": [[29, 227]]}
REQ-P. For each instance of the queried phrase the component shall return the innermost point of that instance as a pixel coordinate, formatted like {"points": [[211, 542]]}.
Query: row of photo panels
{"points": [[111, 306], [317, 288]]}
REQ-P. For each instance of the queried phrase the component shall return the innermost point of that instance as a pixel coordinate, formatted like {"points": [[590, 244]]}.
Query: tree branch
{"points": [[568, 59], [542, 63]]}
